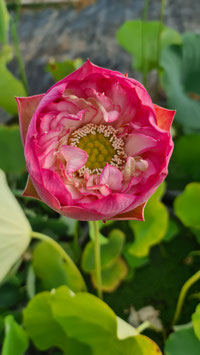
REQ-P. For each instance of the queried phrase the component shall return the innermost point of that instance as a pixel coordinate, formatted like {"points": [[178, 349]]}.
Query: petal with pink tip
{"points": [[75, 158], [164, 117], [112, 177], [138, 143], [26, 108]]}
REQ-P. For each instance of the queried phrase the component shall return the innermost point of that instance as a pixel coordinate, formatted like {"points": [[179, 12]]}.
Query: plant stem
{"points": [[162, 12], [97, 257], [61, 251], [143, 326], [146, 5], [182, 295], [144, 18], [17, 48]]}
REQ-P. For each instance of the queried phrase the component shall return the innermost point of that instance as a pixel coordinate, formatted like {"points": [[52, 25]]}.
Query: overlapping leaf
{"points": [[150, 232], [81, 324]]}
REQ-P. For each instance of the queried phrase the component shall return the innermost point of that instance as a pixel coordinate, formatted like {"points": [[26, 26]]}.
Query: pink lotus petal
{"points": [[138, 143], [112, 177], [110, 205], [81, 213], [164, 117], [26, 108], [75, 158], [54, 184]]}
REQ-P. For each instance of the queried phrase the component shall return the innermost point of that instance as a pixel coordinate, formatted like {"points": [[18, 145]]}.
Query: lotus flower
{"points": [[96, 147]]}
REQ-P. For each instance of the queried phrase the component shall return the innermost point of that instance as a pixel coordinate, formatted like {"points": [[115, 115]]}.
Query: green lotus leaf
{"points": [[81, 324], [187, 206], [183, 342], [16, 340], [180, 79], [15, 229], [141, 40]]}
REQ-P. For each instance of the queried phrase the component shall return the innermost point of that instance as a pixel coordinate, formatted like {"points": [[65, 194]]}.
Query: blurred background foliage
{"points": [[143, 263]]}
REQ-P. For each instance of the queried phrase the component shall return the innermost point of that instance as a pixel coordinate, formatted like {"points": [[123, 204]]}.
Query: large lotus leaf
{"points": [[187, 205], [45, 331], [112, 275], [10, 86], [16, 340], [141, 40], [153, 229], [183, 342], [109, 251], [180, 79], [187, 155], [4, 22], [11, 151], [196, 321], [81, 324], [53, 271], [15, 229]]}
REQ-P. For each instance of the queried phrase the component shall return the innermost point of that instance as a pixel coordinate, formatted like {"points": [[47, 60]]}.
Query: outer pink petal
{"points": [[54, 184], [164, 117], [111, 205], [138, 143], [75, 158], [112, 177], [82, 214], [26, 108]]}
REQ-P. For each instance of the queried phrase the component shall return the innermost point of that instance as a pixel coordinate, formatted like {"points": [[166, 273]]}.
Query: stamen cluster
{"points": [[102, 146]]}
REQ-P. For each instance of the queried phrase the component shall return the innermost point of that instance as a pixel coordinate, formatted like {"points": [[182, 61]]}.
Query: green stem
{"points": [[146, 5], [61, 251], [162, 12], [75, 241], [143, 326], [97, 256], [18, 54], [182, 295], [144, 18]]}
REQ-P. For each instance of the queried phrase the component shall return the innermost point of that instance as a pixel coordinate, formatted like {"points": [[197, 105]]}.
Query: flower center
{"points": [[102, 146]]}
